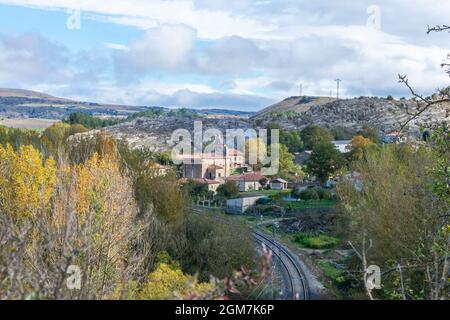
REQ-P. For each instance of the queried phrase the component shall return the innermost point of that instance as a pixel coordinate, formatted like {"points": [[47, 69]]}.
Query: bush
{"points": [[216, 247], [228, 190], [324, 194], [263, 201], [309, 194]]}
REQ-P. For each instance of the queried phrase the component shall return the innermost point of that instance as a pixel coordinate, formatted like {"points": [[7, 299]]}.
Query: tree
{"points": [[27, 182], [89, 121], [309, 194], [56, 134], [314, 135], [342, 133], [292, 140], [396, 220], [217, 247], [288, 169], [325, 161], [370, 133], [228, 190], [81, 215], [358, 147], [324, 194], [168, 282]]}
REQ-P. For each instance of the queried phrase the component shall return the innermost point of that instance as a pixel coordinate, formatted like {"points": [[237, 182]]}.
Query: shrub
{"points": [[324, 194], [228, 190], [309, 194]]}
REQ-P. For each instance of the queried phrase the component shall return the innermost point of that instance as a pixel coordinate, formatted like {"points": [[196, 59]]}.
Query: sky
{"points": [[234, 54]]}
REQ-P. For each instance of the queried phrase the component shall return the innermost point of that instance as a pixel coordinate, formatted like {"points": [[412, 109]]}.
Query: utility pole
{"points": [[338, 81]]}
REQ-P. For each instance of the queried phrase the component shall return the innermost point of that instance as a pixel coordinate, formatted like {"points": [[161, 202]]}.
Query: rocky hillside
{"points": [[385, 114], [294, 105], [156, 133], [292, 113]]}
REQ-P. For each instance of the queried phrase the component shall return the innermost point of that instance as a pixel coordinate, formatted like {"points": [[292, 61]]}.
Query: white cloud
{"points": [[116, 46], [144, 14], [31, 58], [167, 47]]}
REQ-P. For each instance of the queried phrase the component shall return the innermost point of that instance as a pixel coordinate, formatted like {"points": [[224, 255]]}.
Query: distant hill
{"points": [[295, 104], [382, 113], [24, 104], [21, 93]]}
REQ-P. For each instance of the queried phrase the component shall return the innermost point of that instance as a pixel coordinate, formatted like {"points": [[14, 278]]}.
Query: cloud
{"points": [[225, 52], [116, 46], [230, 55], [191, 99], [31, 58], [167, 47]]}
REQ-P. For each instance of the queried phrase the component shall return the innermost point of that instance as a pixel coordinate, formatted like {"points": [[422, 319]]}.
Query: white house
{"points": [[249, 181], [278, 184], [242, 204]]}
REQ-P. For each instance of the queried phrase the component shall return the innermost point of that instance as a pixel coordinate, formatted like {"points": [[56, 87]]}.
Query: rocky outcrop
{"points": [[385, 114]]}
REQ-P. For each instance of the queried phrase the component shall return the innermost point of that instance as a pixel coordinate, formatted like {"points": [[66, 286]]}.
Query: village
{"points": [[226, 181]]}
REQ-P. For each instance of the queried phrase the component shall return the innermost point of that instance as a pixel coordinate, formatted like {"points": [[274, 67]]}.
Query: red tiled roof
{"points": [[248, 177], [215, 166], [206, 181]]}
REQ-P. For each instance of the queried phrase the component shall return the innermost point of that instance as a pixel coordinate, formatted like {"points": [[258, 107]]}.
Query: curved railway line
{"points": [[297, 280]]}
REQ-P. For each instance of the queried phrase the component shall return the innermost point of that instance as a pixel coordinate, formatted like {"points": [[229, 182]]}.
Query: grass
{"points": [[318, 241], [312, 204], [330, 270]]}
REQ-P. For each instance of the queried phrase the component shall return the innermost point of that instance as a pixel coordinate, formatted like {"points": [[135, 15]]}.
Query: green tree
{"points": [[401, 215], [228, 190], [370, 133], [325, 161], [342, 133], [288, 169], [292, 140], [217, 247], [91, 122], [314, 135], [309, 194]]}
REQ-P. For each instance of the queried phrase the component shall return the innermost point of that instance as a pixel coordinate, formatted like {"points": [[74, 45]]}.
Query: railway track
{"points": [[297, 279]]}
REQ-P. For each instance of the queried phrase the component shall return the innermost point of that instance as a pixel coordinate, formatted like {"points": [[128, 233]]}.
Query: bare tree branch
{"points": [[438, 28], [423, 103]]}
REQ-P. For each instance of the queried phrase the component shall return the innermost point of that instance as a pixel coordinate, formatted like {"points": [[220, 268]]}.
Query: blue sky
{"points": [[236, 54]]}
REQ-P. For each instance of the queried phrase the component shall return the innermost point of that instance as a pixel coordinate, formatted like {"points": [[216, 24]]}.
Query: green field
{"points": [[317, 241], [311, 204]]}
